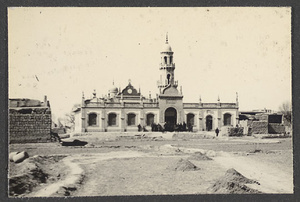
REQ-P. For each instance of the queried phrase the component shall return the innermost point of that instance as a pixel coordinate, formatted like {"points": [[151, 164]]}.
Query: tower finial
{"points": [[167, 41], [94, 93]]}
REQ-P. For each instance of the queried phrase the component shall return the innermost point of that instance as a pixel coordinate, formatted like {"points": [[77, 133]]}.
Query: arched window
{"points": [[112, 119], [92, 119], [131, 119], [190, 119], [168, 77], [150, 119], [171, 59], [227, 119], [165, 58]]}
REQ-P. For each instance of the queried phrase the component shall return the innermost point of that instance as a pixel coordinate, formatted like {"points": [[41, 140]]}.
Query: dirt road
{"points": [[137, 167]]}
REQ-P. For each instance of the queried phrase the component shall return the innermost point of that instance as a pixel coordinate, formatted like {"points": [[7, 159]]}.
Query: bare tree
{"points": [[286, 109], [70, 117]]}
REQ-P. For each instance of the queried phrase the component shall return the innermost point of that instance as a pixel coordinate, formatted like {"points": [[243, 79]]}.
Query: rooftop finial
{"points": [[167, 41], [94, 93]]}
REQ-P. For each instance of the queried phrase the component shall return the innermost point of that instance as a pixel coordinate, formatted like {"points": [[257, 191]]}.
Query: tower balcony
{"points": [[165, 84], [167, 66]]}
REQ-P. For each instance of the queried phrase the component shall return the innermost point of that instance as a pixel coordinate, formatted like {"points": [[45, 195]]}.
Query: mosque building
{"points": [[123, 110]]}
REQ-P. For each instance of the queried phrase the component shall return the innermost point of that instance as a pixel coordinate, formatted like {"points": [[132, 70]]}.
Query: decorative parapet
{"points": [[210, 105], [115, 104], [150, 105], [190, 105], [167, 66], [229, 105]]}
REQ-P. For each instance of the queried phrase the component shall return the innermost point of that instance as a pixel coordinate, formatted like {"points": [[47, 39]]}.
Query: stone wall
{"points": [[258, 127], [29, 125]]}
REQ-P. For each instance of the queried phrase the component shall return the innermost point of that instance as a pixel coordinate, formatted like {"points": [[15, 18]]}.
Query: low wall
{"points": [[236, 131], [275, 128]]}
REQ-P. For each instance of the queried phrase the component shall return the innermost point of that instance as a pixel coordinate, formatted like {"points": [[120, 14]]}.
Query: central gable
{"points": [[130, 91]]}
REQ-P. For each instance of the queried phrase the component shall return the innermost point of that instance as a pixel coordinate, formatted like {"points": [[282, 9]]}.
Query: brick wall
{"points": [[29, 127]]}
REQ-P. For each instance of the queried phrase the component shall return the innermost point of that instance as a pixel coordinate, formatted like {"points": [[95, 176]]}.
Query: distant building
{"points": [[124, 110], [29, 120], [262, 122]]}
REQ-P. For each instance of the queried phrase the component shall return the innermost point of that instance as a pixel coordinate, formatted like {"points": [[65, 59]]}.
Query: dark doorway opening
{"points": [[209, 123], [168, 77], [170, 119]]}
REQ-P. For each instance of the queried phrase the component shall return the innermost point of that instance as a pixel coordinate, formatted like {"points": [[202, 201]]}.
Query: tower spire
{"points": [[167, 41]]}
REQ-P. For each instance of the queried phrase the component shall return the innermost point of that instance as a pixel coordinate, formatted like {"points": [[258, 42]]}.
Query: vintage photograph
{"points": [[131, 101]]}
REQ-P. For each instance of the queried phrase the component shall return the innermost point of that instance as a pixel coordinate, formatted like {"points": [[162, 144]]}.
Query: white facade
{"points": [[127, 109]]}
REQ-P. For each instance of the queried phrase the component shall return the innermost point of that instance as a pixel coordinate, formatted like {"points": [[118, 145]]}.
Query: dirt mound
{"points": [[24, 177], [198, 156], [184, 165], [31, 176], [233, 183]]}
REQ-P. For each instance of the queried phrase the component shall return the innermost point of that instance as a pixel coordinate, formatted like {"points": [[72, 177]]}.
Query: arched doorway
{"points": [[170, 118], [209, 121]]}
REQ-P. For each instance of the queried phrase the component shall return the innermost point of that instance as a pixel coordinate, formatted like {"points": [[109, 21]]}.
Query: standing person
{"points": [[139, 127], [217, 132], [184, 126]]}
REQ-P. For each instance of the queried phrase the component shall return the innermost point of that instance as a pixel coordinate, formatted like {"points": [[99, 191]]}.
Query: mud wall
{"points": [[30, 125]]}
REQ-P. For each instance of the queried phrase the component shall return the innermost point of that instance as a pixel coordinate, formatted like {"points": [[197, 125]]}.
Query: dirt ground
{"points": [[153, 164]]}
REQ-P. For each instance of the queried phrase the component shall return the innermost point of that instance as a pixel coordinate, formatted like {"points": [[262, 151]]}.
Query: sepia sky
{"points": [[60, 52]]}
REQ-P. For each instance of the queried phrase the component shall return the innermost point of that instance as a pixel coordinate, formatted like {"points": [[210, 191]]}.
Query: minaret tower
{"points": [[167, 67], [169, 99]]}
